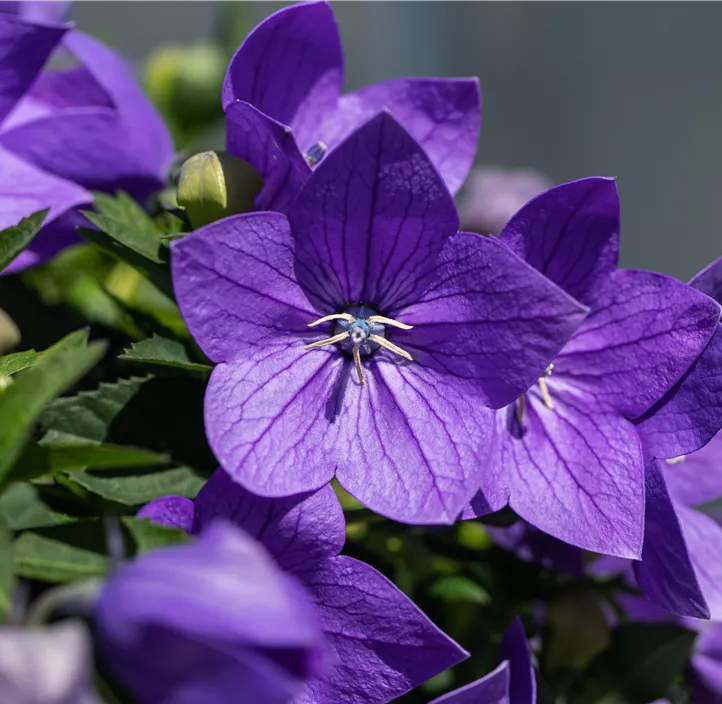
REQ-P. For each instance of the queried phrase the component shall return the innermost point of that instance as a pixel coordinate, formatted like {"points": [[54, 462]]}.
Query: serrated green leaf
{"points": [[165, 352], [7, 573], [23, 401], [19, 361], [459, 588], [641, 664], [89, 414], [126, 222], [13, 240], [24, 506], [135, 487]]}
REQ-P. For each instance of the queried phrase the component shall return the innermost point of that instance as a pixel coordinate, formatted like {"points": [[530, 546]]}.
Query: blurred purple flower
{"points": [[52, 665], [66, 130], [37, 10], [205, 621], [570, 457], [369, 247], [381, 645], [492, 195], [283, 103], [512, 682]]}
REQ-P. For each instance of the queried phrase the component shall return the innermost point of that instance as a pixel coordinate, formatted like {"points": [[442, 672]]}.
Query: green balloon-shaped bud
{"points": [[214, 185]]}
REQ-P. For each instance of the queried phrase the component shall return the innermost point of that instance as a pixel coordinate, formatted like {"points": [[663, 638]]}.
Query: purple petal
{"points": [[709, 280], [235, 287], [697, 478], [492, 195], [690, 414], [571, 234], [644, 332], [206, 619], [575, 472], [489, 689], [371, 221], [25, 47], [381, 644], [707, 666], [420, 442], [515, 649], [703, 536], [442, 115], [125, 146], [36, 10], [666, 574], [290, 67], [297, 531], [489, 320], [173, 511], [270, 148]]}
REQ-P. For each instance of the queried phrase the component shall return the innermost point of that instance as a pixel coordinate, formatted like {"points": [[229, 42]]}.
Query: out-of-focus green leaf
{"points": [[149, 536], [7, 573], [13, 240], [163, 351], [23, 506], [459, 588], [19, 361], [23, 401], [639, 667], [90, 413], [134, 487]]}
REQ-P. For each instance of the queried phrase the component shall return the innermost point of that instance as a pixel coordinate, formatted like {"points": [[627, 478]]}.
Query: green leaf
{"points": [[146, 535], [163, 351], [639, 667], [135, 487], [126, 222], [7, 574], [19, 361], [91, 413], [24, 506], [13, 240], [458, 588], [23, 401]]}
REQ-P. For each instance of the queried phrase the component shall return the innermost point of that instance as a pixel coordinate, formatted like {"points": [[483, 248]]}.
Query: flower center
{"points": [[315, 154], [360, 331], [542, 381]]}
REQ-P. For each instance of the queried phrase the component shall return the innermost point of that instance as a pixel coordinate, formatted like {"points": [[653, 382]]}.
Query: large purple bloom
{"points": [[283, 103], [370, 248], [63, 131], [206, 621], [381, 645], [512, 682], [569, 458]]}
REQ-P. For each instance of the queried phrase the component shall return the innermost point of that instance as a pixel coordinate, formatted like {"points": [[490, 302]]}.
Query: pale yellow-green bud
{"points": [[9, 333], [214, 185]]}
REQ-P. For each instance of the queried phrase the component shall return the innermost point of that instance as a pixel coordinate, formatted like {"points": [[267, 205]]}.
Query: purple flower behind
{"points": [[380, 644], [310, 319], [205, 621], [63, 131], [570, 459], [283, 103], [512, 682], [492, 195]]}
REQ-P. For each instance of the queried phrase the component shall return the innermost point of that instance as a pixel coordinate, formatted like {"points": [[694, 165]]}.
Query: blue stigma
{"points": [[315, 154], [359, 331]]}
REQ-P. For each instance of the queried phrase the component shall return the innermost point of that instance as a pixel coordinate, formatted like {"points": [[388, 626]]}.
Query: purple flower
{"points": [[512, 682], [381, 645], [52, 665], [63, 131], [361, 336], [282, 99], [570, 458], [205, 621], [492, 195]]}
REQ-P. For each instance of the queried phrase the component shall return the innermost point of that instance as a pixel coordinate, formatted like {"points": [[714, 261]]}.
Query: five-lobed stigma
{"points": [[360, 334]]}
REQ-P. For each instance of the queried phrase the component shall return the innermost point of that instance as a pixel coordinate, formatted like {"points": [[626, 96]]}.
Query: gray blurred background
{"points": [[632, 90]]}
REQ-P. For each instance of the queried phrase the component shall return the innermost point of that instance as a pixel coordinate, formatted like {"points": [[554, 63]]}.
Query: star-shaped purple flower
{"points": [[62, 131], [205, 621], [512, 682], [283, 103], [362, 336], [381, 645], [569, 458]]}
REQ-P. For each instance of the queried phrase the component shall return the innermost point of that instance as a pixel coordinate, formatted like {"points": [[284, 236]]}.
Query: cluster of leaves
{"points": [[110, 416]]}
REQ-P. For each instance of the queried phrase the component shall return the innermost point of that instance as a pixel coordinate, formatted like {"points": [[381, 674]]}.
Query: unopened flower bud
{"points": [[214, 185]]}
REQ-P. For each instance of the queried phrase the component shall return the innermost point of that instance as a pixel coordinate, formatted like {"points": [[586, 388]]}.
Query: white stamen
{"points": [[391, 346], [336, 316], [328, 341]]}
